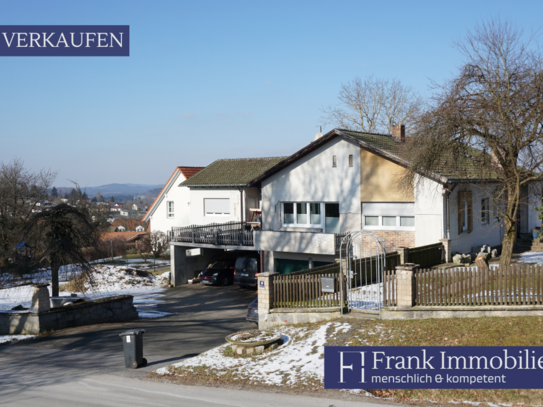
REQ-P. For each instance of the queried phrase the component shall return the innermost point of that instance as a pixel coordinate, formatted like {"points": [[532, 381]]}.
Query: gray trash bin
{"points": [[133, 348]]}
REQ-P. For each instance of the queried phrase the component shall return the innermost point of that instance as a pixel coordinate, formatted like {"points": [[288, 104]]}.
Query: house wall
{"points": [[180, 196], [534, 201], [490, 234], [428, 212], [378, 180], [313, 179], [197, 196]]}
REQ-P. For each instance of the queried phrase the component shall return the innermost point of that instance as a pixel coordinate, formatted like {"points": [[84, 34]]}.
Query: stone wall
{"points": [[112, 309]]}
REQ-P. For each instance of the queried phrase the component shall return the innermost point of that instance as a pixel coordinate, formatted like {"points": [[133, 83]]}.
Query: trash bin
{"points": [[133, 348]]}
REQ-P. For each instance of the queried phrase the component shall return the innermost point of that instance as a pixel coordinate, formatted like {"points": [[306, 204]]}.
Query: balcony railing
{"points": [[231, 233]]}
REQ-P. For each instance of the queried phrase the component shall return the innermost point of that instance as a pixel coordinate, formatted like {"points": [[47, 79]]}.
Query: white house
{"points": [[171, 206], [346, 181]]}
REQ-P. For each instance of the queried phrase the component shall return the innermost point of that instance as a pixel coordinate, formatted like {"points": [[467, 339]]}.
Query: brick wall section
{"points": [[405, 285], [395, 239], [265, 292]]}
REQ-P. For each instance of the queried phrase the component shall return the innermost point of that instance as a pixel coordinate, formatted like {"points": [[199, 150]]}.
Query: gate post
{"points": [[405, 285], [447, 247], [265, 295]]}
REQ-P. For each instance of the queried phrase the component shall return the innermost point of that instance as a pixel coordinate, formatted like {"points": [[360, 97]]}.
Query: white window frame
{"points": [[381, 227], [388, 209], [308, 208], [221, 214], [170, 210]]}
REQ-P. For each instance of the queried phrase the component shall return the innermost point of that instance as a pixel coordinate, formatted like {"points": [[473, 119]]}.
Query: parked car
{"points": [[220, 272], [246, 270], [252, 311]]}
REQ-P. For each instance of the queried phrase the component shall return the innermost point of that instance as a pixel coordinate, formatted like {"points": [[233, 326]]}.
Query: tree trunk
{"points": [[510, 225], [54, 279]]}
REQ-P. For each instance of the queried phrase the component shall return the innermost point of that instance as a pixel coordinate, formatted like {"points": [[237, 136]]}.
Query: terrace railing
{"points": [[231, 233]]}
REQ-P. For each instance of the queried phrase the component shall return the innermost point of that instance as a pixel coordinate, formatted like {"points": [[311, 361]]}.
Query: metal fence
{"points": [[230, 233]]}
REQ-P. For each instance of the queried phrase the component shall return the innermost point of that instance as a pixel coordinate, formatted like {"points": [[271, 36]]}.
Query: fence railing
{"points": [[305, 291], [465, 286], [426, 256], [390, 292], [231, 233]]}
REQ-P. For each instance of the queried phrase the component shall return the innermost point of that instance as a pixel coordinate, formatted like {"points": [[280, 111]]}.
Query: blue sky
{"points": [[214, 79]]}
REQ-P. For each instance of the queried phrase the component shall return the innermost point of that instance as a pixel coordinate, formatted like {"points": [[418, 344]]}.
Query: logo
{"points": [[65, 40], [446, 367]]}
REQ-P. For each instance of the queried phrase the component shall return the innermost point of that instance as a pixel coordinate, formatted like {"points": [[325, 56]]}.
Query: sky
{"points": [[215, 79]]}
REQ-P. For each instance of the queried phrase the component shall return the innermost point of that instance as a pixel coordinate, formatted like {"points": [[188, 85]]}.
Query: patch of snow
{"points": [[531, 257], [15, 338], [105, 281], [299, 359]]}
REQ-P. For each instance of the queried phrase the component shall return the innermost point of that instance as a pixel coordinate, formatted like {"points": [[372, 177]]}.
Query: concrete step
{"points": [[354, 314]]}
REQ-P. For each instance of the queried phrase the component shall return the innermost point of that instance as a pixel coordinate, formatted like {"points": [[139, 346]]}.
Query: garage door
{"points": [[285, 266]]}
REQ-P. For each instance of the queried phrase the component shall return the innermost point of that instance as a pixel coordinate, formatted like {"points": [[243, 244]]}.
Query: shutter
{"points": [[217, 206], [460, 206], [470, 211]]}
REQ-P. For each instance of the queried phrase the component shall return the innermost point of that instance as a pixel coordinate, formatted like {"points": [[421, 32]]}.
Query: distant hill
{"points": [[118, 189]]}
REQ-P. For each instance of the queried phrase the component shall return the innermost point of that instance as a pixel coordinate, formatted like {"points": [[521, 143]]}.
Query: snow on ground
{"points": [[107, 281], [531, 257], [14, 338], [299, 360]]}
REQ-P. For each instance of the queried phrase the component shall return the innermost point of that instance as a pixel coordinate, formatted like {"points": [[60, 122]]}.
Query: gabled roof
{"points": [[236, 172], [382, 145], [187, 172]]}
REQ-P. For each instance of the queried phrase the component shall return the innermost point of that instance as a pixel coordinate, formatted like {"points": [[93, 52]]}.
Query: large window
{"points": [[310, 214], [217, 206], [170, 209], [388, 216]]}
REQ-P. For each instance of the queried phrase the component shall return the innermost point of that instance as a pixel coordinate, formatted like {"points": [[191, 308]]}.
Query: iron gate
{"points": [[363, 261]]}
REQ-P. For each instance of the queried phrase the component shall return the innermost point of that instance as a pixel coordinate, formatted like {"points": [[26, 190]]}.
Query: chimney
{"points": [[398, 132]]}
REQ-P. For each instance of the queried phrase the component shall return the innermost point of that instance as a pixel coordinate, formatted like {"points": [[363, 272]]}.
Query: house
{"points": [[342, 181], [129, 225], [171, 207]]}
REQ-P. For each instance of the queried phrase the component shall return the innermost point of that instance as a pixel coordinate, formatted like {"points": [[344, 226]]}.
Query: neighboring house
{"points": [[129, 225], [171, 206], [124, 212], [115, 208], [224, 191], [343, 181], [134, 207], [127, 237]]}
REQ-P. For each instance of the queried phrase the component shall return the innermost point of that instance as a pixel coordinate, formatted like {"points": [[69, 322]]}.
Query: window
{"points": [[465, 212], [389, 216], [170, 209], [331, 218], [334, 161], [485, 211], [310, 214], [217, 206], [350, 160]]}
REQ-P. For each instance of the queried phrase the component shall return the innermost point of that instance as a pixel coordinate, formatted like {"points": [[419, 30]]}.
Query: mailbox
{"points": [[328, 284]]}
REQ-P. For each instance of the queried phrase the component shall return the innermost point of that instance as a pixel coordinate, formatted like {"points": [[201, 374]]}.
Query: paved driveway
{"points": [[203, 316]]}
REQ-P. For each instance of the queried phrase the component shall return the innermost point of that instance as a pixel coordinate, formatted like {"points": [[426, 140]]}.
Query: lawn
{"points": [[298, 365]]}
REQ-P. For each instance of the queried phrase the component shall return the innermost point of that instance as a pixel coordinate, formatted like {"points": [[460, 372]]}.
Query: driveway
{"points": [[202, 317]]}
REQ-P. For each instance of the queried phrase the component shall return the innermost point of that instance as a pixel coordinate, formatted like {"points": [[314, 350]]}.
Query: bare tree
{"points": [[486, 123], [159, 242], [373, 105], [143, 246]]}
